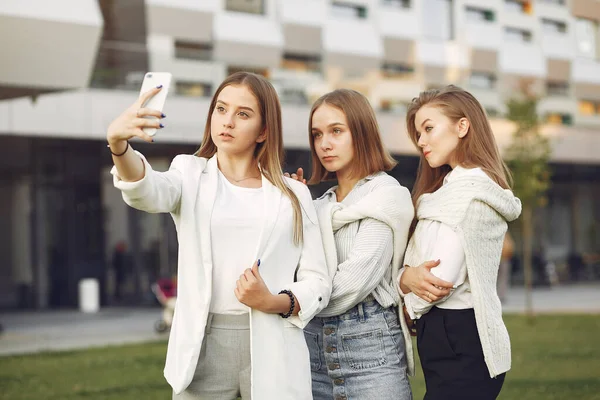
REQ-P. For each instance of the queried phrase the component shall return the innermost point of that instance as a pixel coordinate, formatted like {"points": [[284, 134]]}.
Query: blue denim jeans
{"points": [[358, 355]]}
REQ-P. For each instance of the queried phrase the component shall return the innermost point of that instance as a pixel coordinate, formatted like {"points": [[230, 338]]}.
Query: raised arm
{"points": [[127, 126], [142, 187]]}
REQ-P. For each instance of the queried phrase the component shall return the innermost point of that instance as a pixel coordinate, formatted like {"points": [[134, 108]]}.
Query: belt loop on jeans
{"points": [[361, 312], [209, 323]]}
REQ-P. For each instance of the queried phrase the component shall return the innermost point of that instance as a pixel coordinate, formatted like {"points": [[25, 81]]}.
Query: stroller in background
{"points": [[165, 290]]}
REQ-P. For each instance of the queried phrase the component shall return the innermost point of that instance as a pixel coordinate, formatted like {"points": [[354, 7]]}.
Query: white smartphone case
{"points": [[156, 102]]}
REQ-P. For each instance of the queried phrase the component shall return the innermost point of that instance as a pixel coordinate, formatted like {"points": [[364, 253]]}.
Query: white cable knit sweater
{"points": [[478, 210]]}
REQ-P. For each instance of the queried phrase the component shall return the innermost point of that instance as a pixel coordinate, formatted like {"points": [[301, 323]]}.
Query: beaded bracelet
{"points": [[120, 154], [292, 303]]}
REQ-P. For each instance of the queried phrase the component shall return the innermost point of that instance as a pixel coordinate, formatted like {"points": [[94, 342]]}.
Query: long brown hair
{"points": [[269, 153], [477, 149], [369, 154]]}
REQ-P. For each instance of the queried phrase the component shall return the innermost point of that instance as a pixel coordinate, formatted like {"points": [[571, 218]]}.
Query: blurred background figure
{"points": [[120, 267], [575, 265], [504, 271]]}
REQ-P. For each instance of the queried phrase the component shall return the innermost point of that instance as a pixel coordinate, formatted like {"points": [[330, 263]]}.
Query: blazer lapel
{"points": [[272, 202], [206, 200]]}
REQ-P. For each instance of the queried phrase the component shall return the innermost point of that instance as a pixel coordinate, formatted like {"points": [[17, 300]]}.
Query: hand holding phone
{"points": [[156, 102]]}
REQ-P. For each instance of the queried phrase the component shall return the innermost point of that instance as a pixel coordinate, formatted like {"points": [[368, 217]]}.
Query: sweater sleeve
{"points": [[364, 268]]}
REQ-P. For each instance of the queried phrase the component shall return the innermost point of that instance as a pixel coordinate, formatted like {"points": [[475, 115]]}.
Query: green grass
{"points": [[558, 357]]}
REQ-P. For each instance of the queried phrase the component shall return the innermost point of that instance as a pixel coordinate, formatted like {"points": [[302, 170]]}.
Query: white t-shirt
{"points": [[235, 226]]}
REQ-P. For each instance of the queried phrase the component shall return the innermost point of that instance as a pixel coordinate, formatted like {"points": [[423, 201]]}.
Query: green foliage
{"points": [[529, 153]]}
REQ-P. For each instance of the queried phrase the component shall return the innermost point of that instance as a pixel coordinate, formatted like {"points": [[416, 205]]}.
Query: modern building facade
{"points": [[70, 67]]}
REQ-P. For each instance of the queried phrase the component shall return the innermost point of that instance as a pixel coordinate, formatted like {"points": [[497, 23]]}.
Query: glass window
{"points": [[193, 50], [517, 35], [393, 106], [586, 32], [301, 62], [482, 80], [552, 26], [293, 95], [122, 56], [396, 3], [391, 70], [518, 6], [479, 15], [438, 19], [246, 6], [556, 88], [555, 2], [346, 10]]}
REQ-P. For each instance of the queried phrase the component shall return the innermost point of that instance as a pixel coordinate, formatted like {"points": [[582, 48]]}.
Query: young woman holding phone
{"points": [[251, 271]]}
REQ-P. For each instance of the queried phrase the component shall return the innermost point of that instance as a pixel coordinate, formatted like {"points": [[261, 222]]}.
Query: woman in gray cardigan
{"points": [[356, 344], [463, 203]]}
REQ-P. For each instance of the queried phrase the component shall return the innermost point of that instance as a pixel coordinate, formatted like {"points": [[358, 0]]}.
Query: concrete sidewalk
{"points": [[31, 332], [571, 298]]}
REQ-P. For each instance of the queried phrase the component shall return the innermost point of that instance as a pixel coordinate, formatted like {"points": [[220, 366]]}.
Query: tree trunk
{"points": [[527, 225]]}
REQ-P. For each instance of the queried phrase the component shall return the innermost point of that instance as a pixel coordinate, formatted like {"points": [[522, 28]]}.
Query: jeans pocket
{"points": [[365, 349], [314, 349]]}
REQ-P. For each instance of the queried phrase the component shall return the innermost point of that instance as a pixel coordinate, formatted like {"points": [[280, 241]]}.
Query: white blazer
{"points": [[280, 358]]}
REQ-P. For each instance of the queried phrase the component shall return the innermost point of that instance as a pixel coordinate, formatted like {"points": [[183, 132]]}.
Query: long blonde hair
{"points": [[269, 153], [477, 149], [370, 155]]}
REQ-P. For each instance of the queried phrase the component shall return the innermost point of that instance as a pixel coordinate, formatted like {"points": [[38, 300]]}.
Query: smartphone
{"points": [[156, 102]]}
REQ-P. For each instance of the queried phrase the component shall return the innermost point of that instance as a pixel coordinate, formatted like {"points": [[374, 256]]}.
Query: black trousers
{"points": [[452, 357]]}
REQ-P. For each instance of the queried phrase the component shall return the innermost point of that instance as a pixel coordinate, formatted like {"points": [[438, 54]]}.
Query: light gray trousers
{"points": [[223, 371]]}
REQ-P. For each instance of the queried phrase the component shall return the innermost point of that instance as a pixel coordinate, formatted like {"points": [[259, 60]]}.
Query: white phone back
{"points": [[157, 102]]}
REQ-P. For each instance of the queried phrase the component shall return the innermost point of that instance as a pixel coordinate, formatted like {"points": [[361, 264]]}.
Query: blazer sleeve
{"points": [[156, 192], [313, 284]]}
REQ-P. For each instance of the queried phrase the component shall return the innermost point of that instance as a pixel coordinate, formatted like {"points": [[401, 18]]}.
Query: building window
{"points": [[193, 50], [519, 6], [193, 89], [586, 32], [391, 70], [559, 119], [438, 20], [246, 6], [479, 15], [517, 35], [589, 107], [348, 10], [301, 62], [396, 3], [551, 26], [557, 88], [393, 106], [291, 95], [482, 80], [555, 2]]}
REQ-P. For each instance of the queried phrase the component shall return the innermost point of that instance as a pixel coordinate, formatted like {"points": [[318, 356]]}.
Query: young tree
{"points": [[528, 156]]}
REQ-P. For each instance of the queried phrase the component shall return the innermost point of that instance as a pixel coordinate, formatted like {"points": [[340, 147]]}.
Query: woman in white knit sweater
{"points": [[356, 344], [463, 203]]}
